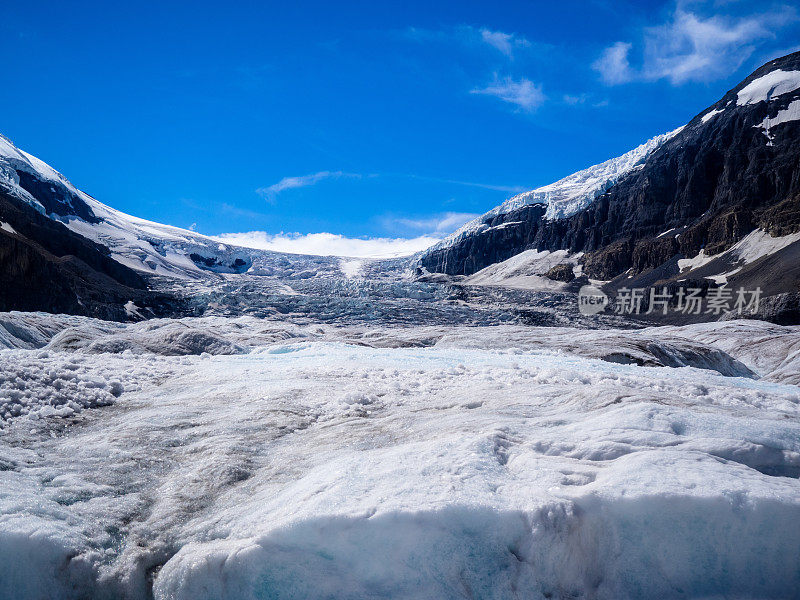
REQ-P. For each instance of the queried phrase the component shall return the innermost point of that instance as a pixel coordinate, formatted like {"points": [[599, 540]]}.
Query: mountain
{"points": [[63, 251], [717, 200], [714, 202], [46, 267], [152, 250], [142, 245]]}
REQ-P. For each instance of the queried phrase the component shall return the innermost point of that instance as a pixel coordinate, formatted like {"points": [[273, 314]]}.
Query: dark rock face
{"points": [[561, 272], [714, 182], [505, 238], [56, 198], [46, 267]]}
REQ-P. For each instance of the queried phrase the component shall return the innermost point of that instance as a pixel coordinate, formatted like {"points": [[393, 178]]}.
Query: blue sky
{"points": [[365, 120]]}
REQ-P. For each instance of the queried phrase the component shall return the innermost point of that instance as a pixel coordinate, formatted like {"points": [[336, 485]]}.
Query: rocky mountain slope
{"points": [[45, 266], [733, 170], [63, 251], [142, 245]]}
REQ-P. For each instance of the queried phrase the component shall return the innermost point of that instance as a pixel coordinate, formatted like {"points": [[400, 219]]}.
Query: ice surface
{"points": [[325, 461]]}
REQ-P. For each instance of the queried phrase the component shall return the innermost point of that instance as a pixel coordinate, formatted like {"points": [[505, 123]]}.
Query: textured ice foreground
{"points": [[246, 458]]}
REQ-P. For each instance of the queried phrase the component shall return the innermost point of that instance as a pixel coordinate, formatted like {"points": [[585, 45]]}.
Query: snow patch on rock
{"points": [[790, 113], [525, 270], [711, 114], [769, 86]]}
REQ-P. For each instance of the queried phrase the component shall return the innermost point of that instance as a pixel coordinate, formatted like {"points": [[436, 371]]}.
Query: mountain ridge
{"points": [[731, 170]]}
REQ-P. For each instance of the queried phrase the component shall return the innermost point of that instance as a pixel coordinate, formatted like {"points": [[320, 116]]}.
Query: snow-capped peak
{"points": [[12, 156]]}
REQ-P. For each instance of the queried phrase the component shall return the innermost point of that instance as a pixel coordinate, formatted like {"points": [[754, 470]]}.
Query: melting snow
{"points": [[790, 113], [132, 310], [752, 247], [760, 243], [688, 264], [525, 270]]}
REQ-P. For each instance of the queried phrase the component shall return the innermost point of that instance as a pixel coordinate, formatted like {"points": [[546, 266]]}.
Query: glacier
{"points": [[245, 457], [334, 428]]}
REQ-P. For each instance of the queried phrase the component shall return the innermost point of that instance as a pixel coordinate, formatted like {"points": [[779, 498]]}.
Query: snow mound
{"points": [[165, 339], [645, 348], [21, 330], [585, 548], [771, 351]]}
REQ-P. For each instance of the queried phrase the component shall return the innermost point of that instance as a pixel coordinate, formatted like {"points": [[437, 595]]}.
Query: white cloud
{"points": [[504, 42], [288, 183], [692, 47], [613, 64], [524, 93], [329, 244], [512, 189]]}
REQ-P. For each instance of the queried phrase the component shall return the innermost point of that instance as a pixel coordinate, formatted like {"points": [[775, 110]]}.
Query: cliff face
{"points": [[732, 169], [46, 267]]}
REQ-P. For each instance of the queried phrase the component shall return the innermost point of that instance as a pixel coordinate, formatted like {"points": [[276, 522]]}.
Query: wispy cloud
{"points": [[329, 244], [522, 92], [288, 183], [504, 42], [692, 47], [510, 189], [433, 225], [613, 64], [475, 37]]}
